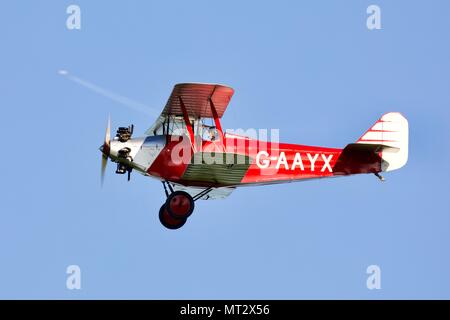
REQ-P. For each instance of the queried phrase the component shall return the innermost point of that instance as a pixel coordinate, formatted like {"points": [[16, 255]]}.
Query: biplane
{"points": [[195, 160]]}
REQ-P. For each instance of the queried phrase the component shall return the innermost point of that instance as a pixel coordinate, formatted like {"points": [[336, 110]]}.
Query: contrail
{"points": [[130, 103]]}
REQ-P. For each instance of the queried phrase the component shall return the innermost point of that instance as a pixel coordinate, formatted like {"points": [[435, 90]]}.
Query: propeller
{"points": [[105, 149]]}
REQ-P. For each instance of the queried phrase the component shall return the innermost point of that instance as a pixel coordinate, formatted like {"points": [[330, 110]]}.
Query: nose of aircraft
{"points": [[116, 150], [115, 147], [122, 149], [111, 149]]}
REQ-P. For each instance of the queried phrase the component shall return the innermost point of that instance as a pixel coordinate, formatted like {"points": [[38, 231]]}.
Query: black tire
{"points": [[188, 200], [168, 221]]}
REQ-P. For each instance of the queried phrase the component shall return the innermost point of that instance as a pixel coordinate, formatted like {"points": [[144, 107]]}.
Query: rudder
{"points": [[391, 131]]}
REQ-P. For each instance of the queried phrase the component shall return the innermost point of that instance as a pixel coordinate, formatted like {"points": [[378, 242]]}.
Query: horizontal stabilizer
{"points": [[375, 148]]}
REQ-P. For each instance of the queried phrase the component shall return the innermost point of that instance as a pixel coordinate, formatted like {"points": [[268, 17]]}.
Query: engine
{"points": [[124, 134]]}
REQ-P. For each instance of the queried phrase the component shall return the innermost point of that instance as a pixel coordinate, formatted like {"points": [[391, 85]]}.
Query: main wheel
{"points": [[168, 221], [180, 205]]}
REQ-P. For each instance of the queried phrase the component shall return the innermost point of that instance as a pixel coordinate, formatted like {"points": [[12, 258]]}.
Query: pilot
{"points": [[212, 133]]}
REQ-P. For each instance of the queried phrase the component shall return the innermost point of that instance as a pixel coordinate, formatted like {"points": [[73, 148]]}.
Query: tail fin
{"points": [[390, 132]]}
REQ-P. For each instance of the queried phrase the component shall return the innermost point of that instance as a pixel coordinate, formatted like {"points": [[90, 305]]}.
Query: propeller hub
{"points": [[105, 148]]}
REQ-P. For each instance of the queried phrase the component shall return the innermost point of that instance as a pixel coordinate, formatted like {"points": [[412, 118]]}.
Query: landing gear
{"points": [[168, 221], [175, 211], [178, 206]]}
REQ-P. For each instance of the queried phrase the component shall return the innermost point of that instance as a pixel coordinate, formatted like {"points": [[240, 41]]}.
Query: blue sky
{"points": [[310, 68]]}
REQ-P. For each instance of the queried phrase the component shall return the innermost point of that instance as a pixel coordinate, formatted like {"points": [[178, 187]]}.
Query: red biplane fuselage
{"points": [[263, 163]]}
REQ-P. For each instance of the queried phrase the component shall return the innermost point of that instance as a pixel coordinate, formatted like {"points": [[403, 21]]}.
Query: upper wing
{"points": [[196, 99]]}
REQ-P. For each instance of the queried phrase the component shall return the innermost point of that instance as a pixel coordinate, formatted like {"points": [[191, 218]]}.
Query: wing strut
{"points": [[188, 122], [217, 122]]}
